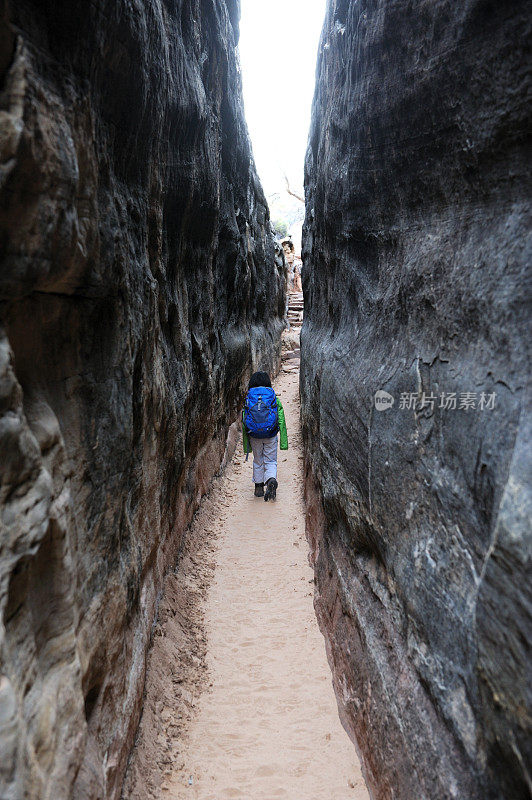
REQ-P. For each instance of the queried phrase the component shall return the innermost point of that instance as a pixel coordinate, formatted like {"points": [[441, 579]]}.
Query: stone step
{"points": [[290, 355]]}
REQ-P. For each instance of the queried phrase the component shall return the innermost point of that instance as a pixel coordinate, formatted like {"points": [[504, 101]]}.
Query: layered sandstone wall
{"points": [[415, 256], [139, 286]]}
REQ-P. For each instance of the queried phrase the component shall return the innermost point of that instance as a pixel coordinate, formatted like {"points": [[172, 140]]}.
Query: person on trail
{"points": [[294, 266], [288, 249], [297, 275], [262, 419]]}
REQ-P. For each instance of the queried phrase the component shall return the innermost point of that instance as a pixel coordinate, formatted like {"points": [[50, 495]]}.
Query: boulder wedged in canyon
{"points": [[139, 286], [415, 254]]}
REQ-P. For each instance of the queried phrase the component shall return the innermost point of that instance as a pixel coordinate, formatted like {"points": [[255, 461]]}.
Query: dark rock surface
{"points": [[415, 257], [139, 287]]}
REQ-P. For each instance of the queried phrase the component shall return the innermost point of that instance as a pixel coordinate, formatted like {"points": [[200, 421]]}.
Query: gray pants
{"points": [[264, 459]]}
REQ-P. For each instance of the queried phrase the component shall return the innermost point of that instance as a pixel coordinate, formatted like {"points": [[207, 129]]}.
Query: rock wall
{"points": [[415, 253], [139, 287]]}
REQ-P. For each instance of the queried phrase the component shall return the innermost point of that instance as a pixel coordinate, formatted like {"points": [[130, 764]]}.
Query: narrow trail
{"points": [[252, 712]]}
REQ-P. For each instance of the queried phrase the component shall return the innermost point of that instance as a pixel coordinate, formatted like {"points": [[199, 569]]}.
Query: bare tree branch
{"points": [[288, 189]]}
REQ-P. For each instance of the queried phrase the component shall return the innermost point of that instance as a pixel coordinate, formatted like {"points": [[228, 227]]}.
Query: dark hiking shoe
{"points": [[271, 489], [259, 489]]}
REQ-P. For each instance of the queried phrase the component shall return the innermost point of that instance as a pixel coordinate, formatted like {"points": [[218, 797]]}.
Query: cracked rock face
{"points": [[139, 286], [415, 251]]}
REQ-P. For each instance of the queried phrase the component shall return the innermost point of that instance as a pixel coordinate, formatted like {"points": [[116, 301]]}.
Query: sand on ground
{"points": [[263, 723]]}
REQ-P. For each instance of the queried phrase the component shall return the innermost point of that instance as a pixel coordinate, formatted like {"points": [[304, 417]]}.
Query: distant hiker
{"points": [[288, 248], [262, 419], [294, 266], [297, 275]]}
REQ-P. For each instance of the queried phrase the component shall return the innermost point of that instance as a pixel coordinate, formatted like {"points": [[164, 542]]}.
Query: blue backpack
{"points": [[260, 413]]}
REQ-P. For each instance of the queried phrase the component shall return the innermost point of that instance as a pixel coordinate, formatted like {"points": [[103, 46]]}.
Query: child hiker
{"points": [[262, 420]]}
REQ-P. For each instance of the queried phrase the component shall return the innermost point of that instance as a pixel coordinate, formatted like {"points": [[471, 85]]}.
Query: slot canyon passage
{"points": [[140, 286], [252, 714]]}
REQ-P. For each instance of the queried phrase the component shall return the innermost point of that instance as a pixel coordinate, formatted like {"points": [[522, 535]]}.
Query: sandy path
{"points": [[267, 727]]}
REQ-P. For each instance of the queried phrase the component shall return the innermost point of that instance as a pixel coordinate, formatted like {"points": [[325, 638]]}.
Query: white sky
{"points": [[278, 49]]}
